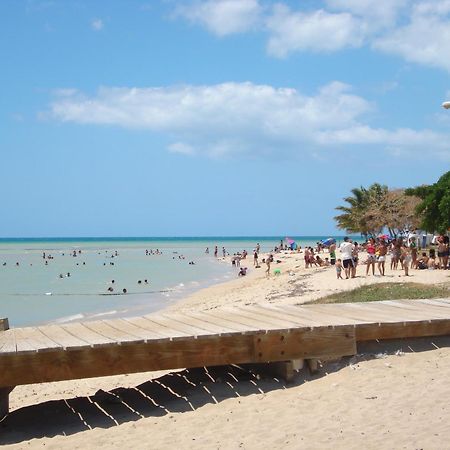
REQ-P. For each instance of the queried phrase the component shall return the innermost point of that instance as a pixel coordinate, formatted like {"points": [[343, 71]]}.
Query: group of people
{"points": [[403, 252]]}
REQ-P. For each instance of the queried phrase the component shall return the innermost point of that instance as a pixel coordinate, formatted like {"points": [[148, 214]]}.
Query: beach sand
{"points": [[399, 400]]}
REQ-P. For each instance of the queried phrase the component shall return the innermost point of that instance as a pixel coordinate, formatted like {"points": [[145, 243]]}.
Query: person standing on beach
{"points": [[215, 251], [382, 252], [258, 248], [224, 252], [346, 249], [269, 259], [406, 258], [339, 269], [371, 258], [255, 259], [333, 254], [355, 257]]}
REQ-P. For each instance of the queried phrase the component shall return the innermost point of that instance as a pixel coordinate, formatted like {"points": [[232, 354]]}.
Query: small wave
{"points": [[106, 313], [70, 318]]}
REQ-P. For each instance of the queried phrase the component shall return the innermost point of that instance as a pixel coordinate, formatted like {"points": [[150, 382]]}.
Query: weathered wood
{"points": [[279, 369], [396, 330], [257, 334], [306, 342], [4, 401], [4, 324], [313, 366]]}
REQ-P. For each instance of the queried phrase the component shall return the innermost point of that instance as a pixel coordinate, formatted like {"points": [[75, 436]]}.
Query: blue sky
{"points": [[225, 117]]}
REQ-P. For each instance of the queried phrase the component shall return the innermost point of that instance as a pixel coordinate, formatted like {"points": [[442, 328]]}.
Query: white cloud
{"points": [[425, 39], [316, 31], [375, 13], [242, 118], [222, 17], [416, 30], [97, 24]]}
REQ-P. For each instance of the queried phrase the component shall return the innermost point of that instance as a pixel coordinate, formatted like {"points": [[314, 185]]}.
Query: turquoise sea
{"points": [[34, 290]]}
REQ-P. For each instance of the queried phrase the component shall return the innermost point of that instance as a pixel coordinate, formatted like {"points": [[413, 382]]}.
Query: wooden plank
{"points": [[277, 320], [59, 335], [110, 332], [32, 339], [282, 313], [319, 316], [91, 337], [154, 328], [173, 325], [213, 328], [257, 321], [387, 313], [133, 329], [421, 310], [358, 312], [9, 343], [444, 304], [250, 324], [222, 321]]}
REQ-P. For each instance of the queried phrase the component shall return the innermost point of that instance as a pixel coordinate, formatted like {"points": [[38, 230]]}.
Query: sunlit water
{"points": [[33, 292]]}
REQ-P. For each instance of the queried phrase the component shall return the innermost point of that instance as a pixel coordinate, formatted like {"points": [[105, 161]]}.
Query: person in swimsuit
{"points": [[406, 258], [370, 248], [382, 252]]}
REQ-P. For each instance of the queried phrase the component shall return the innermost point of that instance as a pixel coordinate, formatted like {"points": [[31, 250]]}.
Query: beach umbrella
{"points": [[328, 241]]}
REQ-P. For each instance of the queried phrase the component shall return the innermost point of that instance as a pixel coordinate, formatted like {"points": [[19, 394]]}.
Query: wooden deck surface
{"points": [[219, 336]]}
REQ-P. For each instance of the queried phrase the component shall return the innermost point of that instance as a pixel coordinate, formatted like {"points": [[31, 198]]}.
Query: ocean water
{"points": [[32, 292]]}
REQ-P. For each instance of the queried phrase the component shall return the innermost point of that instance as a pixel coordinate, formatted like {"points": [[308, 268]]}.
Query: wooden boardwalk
{"points": [[251, 334]]}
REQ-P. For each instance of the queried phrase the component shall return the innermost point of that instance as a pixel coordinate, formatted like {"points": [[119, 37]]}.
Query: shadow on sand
{"points": [[175, 392]]}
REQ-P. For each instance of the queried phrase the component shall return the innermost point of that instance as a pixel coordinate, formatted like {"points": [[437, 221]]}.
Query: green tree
{"points": [[358, 215], [371, 210], [434, 207]]}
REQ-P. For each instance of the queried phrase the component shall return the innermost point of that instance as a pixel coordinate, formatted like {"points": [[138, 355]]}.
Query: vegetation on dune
{"points": [[388, 291]]}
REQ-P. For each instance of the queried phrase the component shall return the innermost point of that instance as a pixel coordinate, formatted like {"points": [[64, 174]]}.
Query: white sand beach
{"points": [[385, 398]]}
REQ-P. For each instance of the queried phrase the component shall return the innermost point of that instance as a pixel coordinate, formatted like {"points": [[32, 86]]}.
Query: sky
{"points": [[215, 117]]}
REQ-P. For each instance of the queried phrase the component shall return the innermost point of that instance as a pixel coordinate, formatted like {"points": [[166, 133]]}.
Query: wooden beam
{"points": [[305, 343], [4, 401], [59, 364], [396, 330], [4, 324]]}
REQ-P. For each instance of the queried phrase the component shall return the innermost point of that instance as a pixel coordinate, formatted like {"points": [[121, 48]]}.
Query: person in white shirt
{"points": [[346, 249]]}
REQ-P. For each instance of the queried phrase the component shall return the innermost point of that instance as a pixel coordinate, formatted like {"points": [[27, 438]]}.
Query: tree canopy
{"points": [[371, 210], [434, 208]]}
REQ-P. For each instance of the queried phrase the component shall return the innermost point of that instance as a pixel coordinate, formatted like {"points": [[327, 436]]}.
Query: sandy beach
{"points": [[384, 398]]}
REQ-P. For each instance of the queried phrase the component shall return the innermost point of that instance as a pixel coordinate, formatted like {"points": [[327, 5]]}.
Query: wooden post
{"points": [[4, 391], [4, 401], [313, 366], [4, 324], [284, 369]]}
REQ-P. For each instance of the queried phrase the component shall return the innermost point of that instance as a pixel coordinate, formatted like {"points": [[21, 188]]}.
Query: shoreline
{"points": [[387, 380]]}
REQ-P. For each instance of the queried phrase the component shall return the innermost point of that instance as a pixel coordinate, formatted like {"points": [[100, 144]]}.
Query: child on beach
{"points": [[405, 256], [339, 269]]}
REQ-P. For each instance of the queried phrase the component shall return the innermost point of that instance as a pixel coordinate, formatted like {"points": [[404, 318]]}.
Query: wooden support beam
{"points": [[4, 401], [282, 369], [313, 365], [55, 365], [4, 324]]}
